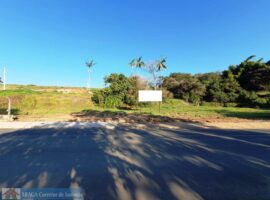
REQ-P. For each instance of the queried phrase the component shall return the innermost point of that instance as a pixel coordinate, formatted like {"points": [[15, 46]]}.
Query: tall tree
{"points": [[153, 68], [139, 63], [132, 63], [136, 63], [90, 65], [185, 86], [161, 64]]}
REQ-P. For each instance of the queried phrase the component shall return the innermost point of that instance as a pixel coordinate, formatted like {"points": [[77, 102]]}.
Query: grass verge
{"points": [[34, 102]]}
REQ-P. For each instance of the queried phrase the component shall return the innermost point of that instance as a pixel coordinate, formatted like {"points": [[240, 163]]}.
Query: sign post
{"points": [[150, 96]]}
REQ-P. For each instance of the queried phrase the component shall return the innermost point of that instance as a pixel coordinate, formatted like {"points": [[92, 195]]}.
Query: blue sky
{"points": [[47, 42]]}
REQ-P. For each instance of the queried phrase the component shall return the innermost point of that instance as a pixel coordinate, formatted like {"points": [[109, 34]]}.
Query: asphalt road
{"points": [[129, 163]]}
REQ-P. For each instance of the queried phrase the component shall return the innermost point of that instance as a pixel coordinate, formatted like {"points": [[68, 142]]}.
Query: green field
{"points": [[34, 101]]}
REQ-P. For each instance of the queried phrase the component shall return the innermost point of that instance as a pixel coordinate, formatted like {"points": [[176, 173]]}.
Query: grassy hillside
{"points": [[31, 101], [34, 100]]}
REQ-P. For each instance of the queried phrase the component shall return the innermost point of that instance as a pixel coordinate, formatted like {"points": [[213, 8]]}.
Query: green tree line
{"points": [[246, 84]]}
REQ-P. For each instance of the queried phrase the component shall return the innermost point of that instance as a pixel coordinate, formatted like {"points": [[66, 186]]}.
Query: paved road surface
{"points": [[128, 163]]}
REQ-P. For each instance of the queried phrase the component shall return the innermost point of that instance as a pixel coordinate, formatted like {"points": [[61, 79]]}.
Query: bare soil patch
{"points": [[138, 119], [216, 122]]}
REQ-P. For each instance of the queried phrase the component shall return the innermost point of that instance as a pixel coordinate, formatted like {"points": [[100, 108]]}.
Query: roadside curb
{"points": [[27, 125]]}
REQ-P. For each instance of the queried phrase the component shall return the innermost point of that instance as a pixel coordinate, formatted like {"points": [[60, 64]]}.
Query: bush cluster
{"points": [[121, 91], [239, 85], [246, 84]]}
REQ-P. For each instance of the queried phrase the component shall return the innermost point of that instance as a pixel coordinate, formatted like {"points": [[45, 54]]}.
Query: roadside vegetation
{"points": [[242, 91], [38, 103], [244, 85]]}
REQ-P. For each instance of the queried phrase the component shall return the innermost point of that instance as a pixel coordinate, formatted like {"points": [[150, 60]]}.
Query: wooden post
{"points": [[9, 106]]}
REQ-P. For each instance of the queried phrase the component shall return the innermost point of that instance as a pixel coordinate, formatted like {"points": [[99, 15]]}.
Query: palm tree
{"points": [[152, 68], [250, 58], [132, 65], [260, 60], [136, 63], [139, 63], [89, 64], [161, 64], [157, 67]]}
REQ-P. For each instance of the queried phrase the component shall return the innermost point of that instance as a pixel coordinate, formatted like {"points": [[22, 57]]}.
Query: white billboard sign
{"points": [[150, 95]]}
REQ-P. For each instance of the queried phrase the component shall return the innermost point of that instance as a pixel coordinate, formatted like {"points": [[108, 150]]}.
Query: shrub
{"points": [[251, 99], [167, 94], [113, 101], [130, 99], [98, 96], [121, 90], [185, 86]]}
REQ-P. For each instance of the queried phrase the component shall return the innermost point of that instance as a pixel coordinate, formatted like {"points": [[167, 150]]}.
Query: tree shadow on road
{"points": [[139, 163], [137, 117], [115, 115]]}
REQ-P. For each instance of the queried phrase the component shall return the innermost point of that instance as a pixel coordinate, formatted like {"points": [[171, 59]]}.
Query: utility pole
{"points": [[4, 79]]}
